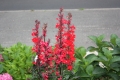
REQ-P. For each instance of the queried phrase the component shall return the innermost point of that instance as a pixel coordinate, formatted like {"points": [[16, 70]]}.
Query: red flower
{"points": [[57, 25], [35, 40], [60, 78], [69, 67], [57, 73], [64, 21], [34, 62], [45, 76]]}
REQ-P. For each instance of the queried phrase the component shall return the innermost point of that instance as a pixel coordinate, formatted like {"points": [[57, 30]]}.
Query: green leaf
{"points": [[22, 64], [114, 76], [113, 38], [86, 63], [19, 44], [106, 44], [115, 59], [102, 57], [77, 65], [14, 66], [1, 68], [27, 76], [89, 69], [107, 53], [100, 38], [77, 54], [114, 65], [83, 51], [66, 77], [97, 40], [75, 78], [116, 51], [93, 38], [28, 62], [22, 72], [91, 48], [82, 73], [99, 71], [118, 41], [12, 72], [80, 53], [8, 50], [5, 57], [91, 58]]}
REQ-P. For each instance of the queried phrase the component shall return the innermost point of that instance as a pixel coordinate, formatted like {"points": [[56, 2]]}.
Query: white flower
{"points": [[96, 53], [102, 65], [36, 57], [93, 52], [109, 48]]}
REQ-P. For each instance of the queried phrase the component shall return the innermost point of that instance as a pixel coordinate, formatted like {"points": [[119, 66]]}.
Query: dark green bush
{"points": [[103, 66]]}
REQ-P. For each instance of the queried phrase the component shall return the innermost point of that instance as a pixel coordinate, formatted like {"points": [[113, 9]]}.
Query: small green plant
{"points": [[105, 65], [17, 61]]}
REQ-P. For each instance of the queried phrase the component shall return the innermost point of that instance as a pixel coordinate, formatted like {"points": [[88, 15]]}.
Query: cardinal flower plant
{"points": [[51, 62]]}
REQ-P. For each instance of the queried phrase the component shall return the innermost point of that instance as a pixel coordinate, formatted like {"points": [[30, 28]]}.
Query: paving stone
{"points": [[16, 26]]}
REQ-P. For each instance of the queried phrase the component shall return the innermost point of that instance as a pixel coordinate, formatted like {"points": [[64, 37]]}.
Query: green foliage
{"points": [[1, 68], [104, 66], [17, 61]]}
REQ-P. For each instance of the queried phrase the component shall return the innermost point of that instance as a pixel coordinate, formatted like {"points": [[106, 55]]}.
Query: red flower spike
{"points": [[64, 47], [35, 40], [42, 49]]}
